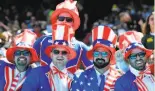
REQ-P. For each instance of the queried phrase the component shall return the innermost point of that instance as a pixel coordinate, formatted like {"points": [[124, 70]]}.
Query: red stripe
{"points": [[142, 88], [13, 85], [11, 90], [51, 80], [106, 34], [7, 78], [114, 40], [95, 34]]}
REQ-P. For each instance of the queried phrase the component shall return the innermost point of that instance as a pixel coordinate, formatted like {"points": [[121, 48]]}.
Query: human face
{"points": [[59, 57], [65, 18], [151, 22], [22, 59], [137, 59], [101, 57]]}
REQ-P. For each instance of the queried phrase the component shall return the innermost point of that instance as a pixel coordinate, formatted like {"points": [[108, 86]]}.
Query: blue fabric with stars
{"points": [[86, 82]]}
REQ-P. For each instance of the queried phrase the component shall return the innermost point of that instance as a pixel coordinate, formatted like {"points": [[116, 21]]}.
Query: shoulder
{"points": [[40, 70], [127, 78], [86, 73]]}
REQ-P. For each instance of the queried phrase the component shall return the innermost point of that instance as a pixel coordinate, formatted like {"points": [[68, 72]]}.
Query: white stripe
{"points": [[131, 38], [60, 32], [16, 78], [93, 36], [12, 88], [100, 32], [109, 82], [14, 83], [111, 35], [20, 83], [112, 78]]}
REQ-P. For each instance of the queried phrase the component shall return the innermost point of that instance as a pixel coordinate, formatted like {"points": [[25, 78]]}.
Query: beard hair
{"points": [[100, 66]]}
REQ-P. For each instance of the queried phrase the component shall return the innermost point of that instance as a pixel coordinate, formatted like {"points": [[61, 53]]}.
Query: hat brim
{"points": [[147, 51], [10, 54], [89, 54], [71, 51], [76, 19]]}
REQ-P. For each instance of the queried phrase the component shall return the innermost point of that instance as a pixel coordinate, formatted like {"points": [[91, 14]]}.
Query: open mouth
{"points": [[139, 63], [22, 61]]}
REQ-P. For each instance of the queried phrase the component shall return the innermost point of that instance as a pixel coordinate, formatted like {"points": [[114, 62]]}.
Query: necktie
{"points": [[102, 82], [14, 83]]}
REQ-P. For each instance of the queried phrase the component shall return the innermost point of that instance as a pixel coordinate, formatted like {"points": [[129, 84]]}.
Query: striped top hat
{"points": [[61, 38], [24, 40], [103, 36], [124, 39], [131, 40], [68, 6]]}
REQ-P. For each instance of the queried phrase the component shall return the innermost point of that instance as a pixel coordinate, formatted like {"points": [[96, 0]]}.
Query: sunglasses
{"points": [[134, 56], [56, 52], [103, 54], [62, 18], [24, 53]]}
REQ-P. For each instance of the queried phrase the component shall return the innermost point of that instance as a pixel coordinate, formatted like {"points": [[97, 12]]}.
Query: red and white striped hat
{"points": [[61, 38], [128, 37], [131, 40], [68, 6], [103, 36], [25, 41]]}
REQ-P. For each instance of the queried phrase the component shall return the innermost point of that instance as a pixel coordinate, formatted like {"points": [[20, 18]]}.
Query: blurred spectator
{"points": [[148, 39], [37, 29], [134, 22]]}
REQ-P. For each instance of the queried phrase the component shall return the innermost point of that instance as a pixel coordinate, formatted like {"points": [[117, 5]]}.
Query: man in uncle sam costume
{"points": [[103, 74], [123, 43], [54, 77], [21, 55], [138, 77], [65, 13]]}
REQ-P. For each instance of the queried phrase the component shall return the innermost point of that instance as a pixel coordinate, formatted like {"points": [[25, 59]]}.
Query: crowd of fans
{"points": [[120, 20]]}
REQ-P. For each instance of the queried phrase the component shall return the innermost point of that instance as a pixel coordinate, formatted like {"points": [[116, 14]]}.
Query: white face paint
{"points": [[22, 59], [59, 57]]}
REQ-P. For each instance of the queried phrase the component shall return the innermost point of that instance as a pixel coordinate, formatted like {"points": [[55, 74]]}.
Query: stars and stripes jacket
{"points": [[39, 80], [80, 48], [88, 81], [7, 75]]}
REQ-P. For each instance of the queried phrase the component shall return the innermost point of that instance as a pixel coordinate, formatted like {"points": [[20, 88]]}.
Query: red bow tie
{"points": [[57, 71]]}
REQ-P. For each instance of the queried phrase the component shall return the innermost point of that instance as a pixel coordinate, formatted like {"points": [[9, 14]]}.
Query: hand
{"points": [[119, 55]]}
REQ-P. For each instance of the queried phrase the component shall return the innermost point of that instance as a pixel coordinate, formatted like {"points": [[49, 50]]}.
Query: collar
{"points": [[64, 70], [134, 71], [98, 74], [22, 74]]}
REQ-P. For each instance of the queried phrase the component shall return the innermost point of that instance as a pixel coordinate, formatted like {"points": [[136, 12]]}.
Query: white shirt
{"points": [[147, 79], [61, 84], [98, 76]]}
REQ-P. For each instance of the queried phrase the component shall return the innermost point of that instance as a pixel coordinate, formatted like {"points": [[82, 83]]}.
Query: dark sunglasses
{"points": [[24, 53], [103, 54], [134, 56], [62, 18], [56, 52]]}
